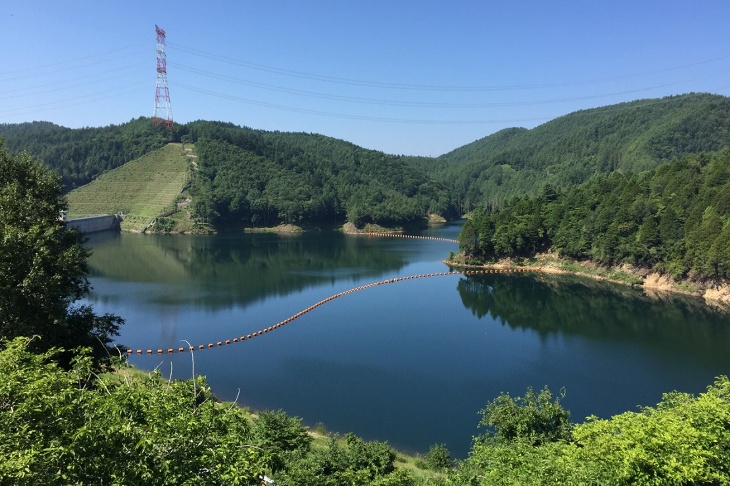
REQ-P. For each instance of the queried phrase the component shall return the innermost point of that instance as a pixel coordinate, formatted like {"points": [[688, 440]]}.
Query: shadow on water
{"points": [[224, 270], [553, 305]]}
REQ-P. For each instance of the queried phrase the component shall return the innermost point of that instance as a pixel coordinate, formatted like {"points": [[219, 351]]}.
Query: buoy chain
{"points": [[299, 314], [401, 235]]}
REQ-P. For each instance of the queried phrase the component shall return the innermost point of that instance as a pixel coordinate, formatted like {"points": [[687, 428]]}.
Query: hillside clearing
{"points": [[142, 190]]}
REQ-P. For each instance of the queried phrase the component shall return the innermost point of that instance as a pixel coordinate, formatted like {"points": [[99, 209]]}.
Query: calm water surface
{"points": [[412, 362]]}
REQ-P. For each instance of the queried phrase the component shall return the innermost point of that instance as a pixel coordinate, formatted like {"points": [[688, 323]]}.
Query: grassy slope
{"points": [[143, 189]]}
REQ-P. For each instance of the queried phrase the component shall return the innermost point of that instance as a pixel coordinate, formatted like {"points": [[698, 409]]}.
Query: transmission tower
{"points": [[163, 112]]}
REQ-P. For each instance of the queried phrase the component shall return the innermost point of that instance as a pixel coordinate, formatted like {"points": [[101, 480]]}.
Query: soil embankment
{"points": [[653, 283]]}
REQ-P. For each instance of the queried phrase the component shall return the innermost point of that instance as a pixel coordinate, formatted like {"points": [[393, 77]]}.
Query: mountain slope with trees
{"points": [[253, 177], [250, 177], [80, 155], [256, 178], [627, 137], [674, 219]]}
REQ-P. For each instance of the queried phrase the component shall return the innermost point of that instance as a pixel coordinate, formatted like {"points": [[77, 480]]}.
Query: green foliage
{"points": [[674, 219], [438, 458], [349, 462], [282, 436], [684, 440], [70, 427], [43, 265], [627, 137], [534, 419], [163, 225]]}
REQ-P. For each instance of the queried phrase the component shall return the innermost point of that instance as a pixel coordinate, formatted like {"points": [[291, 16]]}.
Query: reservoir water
{"points": [[410, 363]]}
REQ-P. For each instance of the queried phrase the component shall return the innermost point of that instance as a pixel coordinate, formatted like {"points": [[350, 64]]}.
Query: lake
{"points": [[412, 362]]}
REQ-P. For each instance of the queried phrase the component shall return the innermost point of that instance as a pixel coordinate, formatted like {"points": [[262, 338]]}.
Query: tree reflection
{"points": [[560, 305]]}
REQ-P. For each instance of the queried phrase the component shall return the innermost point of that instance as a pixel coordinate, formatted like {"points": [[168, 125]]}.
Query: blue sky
{"points": [[403, 77]]}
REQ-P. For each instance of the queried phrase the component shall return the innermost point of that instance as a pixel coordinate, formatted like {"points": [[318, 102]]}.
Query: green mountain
{"points": [[80, 155], [627, 137], [253, 177], [245, 177], [248, 177], [674, 219]]}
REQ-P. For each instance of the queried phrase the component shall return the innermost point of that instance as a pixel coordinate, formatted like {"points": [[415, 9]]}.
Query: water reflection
{"points": [[220, 271], [562, 305], [412, 362]]}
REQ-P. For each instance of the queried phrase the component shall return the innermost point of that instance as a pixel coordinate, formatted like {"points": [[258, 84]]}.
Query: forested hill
{"points": [[255, 177], [79, 155], [250, 177], [628, 137], [674, 219], [261, 178]]}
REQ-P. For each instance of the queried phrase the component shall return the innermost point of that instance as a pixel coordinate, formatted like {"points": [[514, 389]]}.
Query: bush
{"points": [[71, 427], [438, 458]]}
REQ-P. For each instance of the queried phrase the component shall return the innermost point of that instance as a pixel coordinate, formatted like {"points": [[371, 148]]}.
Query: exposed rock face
{"points": [[720, 293]]}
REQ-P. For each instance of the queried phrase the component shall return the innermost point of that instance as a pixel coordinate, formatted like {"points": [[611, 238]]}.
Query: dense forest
{"points": [[253, 177], [80, 155], [674, 219], [258, 178], [627, 137]]}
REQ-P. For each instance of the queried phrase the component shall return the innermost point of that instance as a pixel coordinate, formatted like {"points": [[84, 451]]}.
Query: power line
{"points": [[68, 65], [352, 117], [417, 104], [405, 86], [74, 83]]}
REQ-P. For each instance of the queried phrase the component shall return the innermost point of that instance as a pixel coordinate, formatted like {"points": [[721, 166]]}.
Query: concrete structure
{"points": [[95, 224]]}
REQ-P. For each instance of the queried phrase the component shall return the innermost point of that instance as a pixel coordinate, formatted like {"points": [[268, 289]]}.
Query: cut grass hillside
{"points": [[143, 190]]}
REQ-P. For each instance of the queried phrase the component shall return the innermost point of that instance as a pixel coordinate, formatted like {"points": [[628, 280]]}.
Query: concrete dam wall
{"points": [[95, 224]]}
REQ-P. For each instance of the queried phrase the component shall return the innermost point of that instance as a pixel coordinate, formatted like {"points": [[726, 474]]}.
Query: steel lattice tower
{"points": [[163, 112]]}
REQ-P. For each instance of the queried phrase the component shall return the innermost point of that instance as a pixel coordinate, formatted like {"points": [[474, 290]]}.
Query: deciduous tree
{"points": [[43, 265]]}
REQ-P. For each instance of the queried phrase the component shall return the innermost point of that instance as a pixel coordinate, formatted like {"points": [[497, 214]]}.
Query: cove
{"points": [[412, 362]]}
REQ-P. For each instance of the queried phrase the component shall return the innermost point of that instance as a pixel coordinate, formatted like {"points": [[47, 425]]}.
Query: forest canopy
{"points": [[674, 219], [251, 177], [627, 137]]}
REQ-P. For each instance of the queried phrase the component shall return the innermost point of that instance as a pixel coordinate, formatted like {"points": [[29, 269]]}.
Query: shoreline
{"points": [[650, 282]]}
